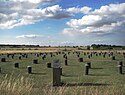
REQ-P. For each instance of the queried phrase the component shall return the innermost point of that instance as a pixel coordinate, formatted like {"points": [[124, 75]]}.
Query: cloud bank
{"points": [[106, 20], [23, 12], [15, 13]]}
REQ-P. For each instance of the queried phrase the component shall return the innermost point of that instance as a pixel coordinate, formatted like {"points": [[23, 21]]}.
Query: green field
{"points": [[103, 78]]}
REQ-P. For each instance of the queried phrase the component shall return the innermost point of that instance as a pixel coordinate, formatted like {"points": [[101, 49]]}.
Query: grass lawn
{"points": [[103, 76]]}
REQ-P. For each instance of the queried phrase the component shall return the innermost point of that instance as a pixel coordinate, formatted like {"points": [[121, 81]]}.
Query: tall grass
{"points": [[24, 86], [15, 86], [80, 90]]}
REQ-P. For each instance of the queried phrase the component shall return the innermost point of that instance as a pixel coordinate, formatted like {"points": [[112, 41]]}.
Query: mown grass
{"points": [[103, 78]]}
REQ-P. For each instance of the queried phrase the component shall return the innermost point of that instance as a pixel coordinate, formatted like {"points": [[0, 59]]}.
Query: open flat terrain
{"points": [[103, 78]]}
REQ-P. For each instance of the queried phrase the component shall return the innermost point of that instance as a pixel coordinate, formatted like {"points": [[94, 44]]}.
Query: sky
{"points": [[62, 22]]}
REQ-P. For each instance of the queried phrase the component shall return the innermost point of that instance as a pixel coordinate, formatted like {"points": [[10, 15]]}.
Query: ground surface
{"points": [[104, 71]]}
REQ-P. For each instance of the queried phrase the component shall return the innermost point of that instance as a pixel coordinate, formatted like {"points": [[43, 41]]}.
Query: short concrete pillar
{"points": [[35, 61], [56, 77], [80, 59], [104, 56], [51, 55], [48, 65], [120, 63], [89, 56], [113, 57], [16, 65], [0, 70], [66, 57], [29, 68], [43, 57], [89, 64], [86, 69], [12, 56], [109, 55], [78, 55], [66, 63], [56, 73], [8, 55], [60, 71], [3, 59], [124, 55], [96, 54], [120, 69], [85, 53], [20, 58]]}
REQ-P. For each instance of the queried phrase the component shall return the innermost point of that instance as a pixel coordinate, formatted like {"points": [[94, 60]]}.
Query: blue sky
{"points": [[62, 22]]}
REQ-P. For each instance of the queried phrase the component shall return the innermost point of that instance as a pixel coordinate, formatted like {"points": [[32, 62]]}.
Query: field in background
{"points": [[50, 49], [103, 78]]}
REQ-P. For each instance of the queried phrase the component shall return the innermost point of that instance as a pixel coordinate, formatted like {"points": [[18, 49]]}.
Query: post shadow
{"points": [[96, 68], [35, 73], [84, 84]]}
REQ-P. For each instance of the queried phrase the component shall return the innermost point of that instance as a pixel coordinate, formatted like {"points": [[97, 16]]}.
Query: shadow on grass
{"points": [[6, 61], [3, 73], [70, 75], [73, 65], [84, 84], [22, 67], [123, 73], [96, 68], [99, 74], [39, 73]]}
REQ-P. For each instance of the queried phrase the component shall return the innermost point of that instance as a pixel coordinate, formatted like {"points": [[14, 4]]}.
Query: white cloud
{"points": [[55, 12], [106, 20], [23, 12], [87, 20], [84, 10], [99, 40], [28, 36], [72, 32]]}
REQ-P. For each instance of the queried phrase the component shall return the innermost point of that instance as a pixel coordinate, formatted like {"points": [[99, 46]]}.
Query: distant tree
{"points": [[88, 47]]}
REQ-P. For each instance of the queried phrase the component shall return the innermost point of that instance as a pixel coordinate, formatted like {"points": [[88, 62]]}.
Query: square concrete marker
{"points": [[48, 65], [20, 58], [120, 69], [66, 63], [35, 61], [3, 59], [16, 65], [86, 69], [113, 57], [29, 69], [80, 59], [56, 73], [56, 63]]}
